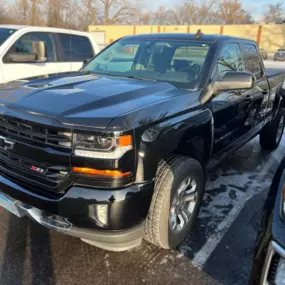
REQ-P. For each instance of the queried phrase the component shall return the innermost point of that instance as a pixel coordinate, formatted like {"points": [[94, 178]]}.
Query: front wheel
{"points": [[271, 134], [176, 201]]}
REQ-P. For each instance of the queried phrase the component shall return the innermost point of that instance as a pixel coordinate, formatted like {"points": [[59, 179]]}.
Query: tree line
{"points": [[79, 14]]}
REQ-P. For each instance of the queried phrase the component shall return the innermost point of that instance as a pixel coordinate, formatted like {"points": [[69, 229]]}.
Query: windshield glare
{"points": [[177, 62], [5, 34]]}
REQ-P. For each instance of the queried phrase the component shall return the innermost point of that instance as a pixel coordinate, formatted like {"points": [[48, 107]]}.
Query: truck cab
{"points": [[36, 51]]}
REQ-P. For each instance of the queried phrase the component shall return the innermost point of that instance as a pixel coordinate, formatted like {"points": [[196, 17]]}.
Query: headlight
{"points": [[104, 147]]}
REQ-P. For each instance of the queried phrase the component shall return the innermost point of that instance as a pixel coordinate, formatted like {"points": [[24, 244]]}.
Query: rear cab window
{"points": [[252, 60], [230, 59]]}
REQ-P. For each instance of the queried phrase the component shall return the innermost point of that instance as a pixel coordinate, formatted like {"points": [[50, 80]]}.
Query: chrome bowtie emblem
{"points": [[6, 144]]}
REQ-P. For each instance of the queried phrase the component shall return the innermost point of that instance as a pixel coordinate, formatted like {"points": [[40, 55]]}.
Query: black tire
{"points": [[172, 171], [270, 136]]}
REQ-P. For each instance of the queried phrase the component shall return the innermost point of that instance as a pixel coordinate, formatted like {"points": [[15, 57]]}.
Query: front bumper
{"points": [[75, 213], [110, 240]]}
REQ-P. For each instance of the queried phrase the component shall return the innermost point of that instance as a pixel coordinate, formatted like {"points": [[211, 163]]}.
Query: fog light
{"points": [[99, 213]]}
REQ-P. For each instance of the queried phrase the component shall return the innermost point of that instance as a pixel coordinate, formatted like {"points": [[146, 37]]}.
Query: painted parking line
{"points": [[204, 253]]}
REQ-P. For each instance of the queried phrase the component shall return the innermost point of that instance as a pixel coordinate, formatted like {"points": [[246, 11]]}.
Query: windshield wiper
{"points": [[119, 75], [139, 78]]}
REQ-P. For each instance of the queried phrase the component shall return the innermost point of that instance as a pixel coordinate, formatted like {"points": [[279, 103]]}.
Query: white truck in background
{"points": [[28, 51]]}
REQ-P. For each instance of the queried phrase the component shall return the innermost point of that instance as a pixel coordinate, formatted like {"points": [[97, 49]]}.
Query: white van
{"points": [[27, 51]]}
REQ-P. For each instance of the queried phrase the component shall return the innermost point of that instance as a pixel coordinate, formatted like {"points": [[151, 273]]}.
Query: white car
{"points": [[27, 51]]}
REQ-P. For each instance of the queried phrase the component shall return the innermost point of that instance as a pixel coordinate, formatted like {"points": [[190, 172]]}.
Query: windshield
{"points": [[177, 62], [5, 34]]}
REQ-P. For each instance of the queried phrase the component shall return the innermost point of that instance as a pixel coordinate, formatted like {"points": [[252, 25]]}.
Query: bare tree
{"points": [[274, 12], [248, 19], [204, 12], [26, 12], [19, 10], [79, 14], [145, 18], [2, 12], [232, 12], [119, 11], [5, 17], [159, 16], [54, 10], [85, 13], [199, 12], [35, 12]]}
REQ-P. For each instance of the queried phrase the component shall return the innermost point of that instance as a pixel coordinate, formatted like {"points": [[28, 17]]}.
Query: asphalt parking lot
{"points": [[219, 251]]}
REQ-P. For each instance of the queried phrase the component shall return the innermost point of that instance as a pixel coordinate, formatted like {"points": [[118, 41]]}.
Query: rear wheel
{"points": [[176, 201], [271, 134]]}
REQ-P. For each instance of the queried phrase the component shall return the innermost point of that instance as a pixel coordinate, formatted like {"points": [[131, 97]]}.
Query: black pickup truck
{"points": [[118, 151]]}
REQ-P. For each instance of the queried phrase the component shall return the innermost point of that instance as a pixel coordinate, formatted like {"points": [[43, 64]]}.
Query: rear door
{"points": [[261, 92], [230, 108], [14, 70], [73, 51]]}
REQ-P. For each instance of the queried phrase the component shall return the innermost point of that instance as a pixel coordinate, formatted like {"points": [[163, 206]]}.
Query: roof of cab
{"points": [[184, 36], [44, 29], [13, 27]]}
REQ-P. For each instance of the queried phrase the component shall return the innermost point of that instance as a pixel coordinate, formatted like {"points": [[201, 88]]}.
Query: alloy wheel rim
{"points": [[183, 205], [280, 129]]}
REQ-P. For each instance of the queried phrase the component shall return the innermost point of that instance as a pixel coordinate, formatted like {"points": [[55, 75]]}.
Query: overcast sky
{"points": [[255, 7]]}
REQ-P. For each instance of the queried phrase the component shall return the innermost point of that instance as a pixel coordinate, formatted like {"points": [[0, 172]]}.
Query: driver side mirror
{"points": [[235, 80], [38, 54]]}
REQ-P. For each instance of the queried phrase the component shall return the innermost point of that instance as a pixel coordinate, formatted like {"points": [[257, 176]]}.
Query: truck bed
{"points": [[274, 67], [275, 72]]}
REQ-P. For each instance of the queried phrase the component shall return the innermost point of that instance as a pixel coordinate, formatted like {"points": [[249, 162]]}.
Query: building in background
{"points": [[270, 37]]}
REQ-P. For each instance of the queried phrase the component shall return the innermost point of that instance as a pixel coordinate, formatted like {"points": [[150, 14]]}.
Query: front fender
{"points": [[189, 134]]}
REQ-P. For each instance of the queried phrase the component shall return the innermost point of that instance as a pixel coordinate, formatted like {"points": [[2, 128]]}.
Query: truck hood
{"points": [[84, 99]]}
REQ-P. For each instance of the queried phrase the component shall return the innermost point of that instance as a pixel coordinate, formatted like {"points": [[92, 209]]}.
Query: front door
{"points": [[261, 92], [14, 70], [230, 108]]}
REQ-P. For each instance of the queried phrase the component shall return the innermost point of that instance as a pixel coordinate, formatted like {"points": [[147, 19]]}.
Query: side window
{"points": [[65, 42], [252, 60], [24, 45], [75, 48], [230, 60]]}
